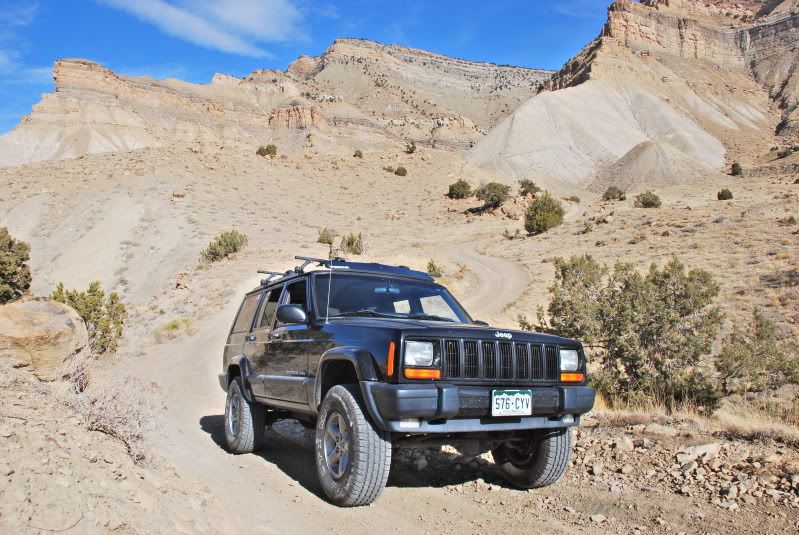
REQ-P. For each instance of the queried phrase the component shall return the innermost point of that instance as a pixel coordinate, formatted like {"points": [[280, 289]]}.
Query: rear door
{"points": [[257, 347], [241, 327], [288, 351]]}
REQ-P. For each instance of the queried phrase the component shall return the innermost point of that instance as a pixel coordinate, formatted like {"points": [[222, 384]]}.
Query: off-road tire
{"points": [[548, 459], [248, 434], [369, 450]]}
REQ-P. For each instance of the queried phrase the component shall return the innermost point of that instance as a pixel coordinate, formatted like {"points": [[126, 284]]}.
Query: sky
{"points": [[193, 39]]}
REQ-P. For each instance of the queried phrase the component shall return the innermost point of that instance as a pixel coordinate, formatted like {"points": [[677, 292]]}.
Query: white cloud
{"points": [[235, 26], [19, 15]]}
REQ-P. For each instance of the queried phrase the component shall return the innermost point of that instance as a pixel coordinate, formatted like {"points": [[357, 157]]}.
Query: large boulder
{"points": [[41, 334]]}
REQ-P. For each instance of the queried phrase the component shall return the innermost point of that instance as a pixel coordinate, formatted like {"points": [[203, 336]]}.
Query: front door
{"points": [[287, 364]]}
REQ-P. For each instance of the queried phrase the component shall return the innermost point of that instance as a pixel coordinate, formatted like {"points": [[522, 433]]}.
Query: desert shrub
{"points": [[15, 275], [326, 236], [493, 195], [736, 169], [352, 244], [388, 168], [613, 193], [791, 220], [223, 246], [410, 148], [528, 187], [755, 358], [400, 171], [544, 213], [784, 152], [648, 332], [459, 190], [574, 198], [104, 316], [434, 269], [647, 199], [358, 154], [268, 150], [724, 195]]}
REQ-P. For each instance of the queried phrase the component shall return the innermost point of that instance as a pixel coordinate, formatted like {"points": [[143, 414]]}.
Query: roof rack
{"points": [[338, 262]]}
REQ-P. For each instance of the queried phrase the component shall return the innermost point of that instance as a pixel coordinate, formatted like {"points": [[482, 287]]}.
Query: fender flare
{"points": [[361, 360], [240, 361]]}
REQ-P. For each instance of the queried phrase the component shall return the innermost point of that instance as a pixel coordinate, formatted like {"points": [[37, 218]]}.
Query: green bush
{"points": [[400, 171], [410, 148], [791, 220], [647, 199], [528, 187], [223, 246], [648, 332], [544, 213], [268, 150], [614, 193], [104, 317], [755, 358], [358, 154], [493, 195], [736, 169], [434, 269], [326, 236], [459, 190], [724, 195], [351, 244], [574, 198], [15, 275]]}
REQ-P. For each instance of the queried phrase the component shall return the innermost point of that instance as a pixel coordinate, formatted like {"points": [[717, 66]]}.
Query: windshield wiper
{"points": [[433, 317], [364, 313]]}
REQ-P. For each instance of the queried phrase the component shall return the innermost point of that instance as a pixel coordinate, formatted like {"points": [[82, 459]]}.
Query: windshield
{"points": [[354, 294]]}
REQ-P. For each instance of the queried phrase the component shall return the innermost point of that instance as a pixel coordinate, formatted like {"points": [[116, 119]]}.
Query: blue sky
{"points": [[193, 39]]}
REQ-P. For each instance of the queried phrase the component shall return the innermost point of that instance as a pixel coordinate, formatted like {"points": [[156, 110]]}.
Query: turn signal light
{"points": [[572, 377], [422, 373], [392, 348]]}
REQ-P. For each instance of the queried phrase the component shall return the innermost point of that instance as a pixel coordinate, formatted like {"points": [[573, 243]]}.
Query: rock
{"points": [[597, 469], [597, 519], [626, 469], [658, 429], [703, 453], [689, 467], [767, 480], [730, 492], [795, 481], [624, 444], [41, 333]]}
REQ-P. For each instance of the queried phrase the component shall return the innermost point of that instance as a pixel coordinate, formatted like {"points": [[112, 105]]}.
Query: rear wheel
{"points": [[353, 457], [245, 422], [537, 460]]}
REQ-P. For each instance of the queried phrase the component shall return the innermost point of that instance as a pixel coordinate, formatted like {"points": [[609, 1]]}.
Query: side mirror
{"points": [[481, 323], [291, 314]]}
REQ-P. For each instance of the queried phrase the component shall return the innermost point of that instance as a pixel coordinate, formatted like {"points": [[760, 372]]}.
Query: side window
{"points": [[295, 294], [246, 313], [268, 314]]}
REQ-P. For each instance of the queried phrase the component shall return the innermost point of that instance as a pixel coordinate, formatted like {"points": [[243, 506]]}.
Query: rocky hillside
{"points": [[670, 92], [379, 95]]}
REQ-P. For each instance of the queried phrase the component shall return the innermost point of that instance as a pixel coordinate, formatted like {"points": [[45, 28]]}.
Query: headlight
{"points": [[569, 360], [419, 354]]}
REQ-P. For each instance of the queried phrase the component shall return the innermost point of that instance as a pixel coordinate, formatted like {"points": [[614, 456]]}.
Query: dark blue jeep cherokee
{"points": [[375, 356]]}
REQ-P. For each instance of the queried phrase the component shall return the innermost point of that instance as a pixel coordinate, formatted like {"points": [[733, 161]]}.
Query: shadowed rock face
{"points": [[40, 334]]}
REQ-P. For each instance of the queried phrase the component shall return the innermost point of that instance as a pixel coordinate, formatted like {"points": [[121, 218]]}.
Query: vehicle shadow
{"points": [[290, 447]]}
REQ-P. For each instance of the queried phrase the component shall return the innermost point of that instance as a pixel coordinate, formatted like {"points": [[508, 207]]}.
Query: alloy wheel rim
{"points": [[337, 445], [233, 410]]}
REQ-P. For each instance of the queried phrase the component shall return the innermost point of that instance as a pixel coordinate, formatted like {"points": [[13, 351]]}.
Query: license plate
{"points": [[511, 402]]}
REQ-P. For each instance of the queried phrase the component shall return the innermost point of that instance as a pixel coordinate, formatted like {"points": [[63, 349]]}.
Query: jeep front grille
{"points": [[493, 361]]}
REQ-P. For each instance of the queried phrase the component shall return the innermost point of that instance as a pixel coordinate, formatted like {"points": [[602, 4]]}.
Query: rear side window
{"points": [[246, 313], [296, 294], [270, 306]]}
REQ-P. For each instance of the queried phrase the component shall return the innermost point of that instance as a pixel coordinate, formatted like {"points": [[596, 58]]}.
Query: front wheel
{"points": [[537, 460], [352, 456]]}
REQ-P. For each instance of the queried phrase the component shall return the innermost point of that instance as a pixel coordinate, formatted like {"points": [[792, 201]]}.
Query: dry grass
{"points": [[116, 407]]}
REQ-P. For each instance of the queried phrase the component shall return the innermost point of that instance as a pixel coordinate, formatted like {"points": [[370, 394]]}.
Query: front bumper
{"points": [[448, 408]]}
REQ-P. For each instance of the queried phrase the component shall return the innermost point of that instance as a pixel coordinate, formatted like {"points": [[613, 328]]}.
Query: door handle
{"points": [[275, 336], [250, 338]]}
